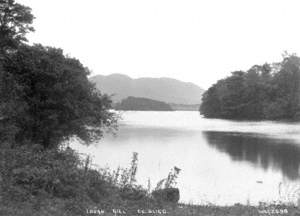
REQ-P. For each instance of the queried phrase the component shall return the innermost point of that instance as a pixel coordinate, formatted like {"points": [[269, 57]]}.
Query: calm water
{"points": [[223, 162]]}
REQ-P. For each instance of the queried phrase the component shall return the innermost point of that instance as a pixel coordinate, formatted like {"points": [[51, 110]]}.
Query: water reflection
{"points": [[265, 152], [128, 133], [248, 162]]}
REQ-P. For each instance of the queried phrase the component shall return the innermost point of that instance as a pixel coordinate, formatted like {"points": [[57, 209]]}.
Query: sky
{"points": [[199, 41]]}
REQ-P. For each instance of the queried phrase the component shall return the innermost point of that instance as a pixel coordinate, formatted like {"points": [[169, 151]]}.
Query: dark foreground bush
{"points": [[166, 195], [133, 193]]}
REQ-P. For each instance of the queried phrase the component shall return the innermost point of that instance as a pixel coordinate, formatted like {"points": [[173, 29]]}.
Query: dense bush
{"points": [[166, 195], [133, 193], [34, 172], [48, 98]]}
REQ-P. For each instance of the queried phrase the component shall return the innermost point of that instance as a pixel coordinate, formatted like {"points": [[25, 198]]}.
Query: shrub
{"points": [[166, 195], [133, 193], [34, 172]]}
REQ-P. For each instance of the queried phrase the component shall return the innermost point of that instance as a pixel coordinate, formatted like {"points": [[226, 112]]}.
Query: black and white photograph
{"points": [[149, 108]]}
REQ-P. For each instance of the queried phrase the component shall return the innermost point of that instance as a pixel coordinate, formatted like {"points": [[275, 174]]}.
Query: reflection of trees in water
{"points": [[264, 152]]}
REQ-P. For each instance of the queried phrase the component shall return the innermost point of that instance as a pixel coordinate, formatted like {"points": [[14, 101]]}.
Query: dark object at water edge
{"points": [[166, 195]]}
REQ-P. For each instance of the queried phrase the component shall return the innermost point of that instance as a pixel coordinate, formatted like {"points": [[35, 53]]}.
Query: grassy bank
{"points": [[37, 182]]}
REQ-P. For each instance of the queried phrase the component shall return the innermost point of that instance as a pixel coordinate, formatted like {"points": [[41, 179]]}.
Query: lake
{"points": [[222, 162]]}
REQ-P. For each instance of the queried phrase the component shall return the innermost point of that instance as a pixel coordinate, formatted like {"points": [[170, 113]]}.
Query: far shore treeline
{"points": [[264, 92], [142, 104]]}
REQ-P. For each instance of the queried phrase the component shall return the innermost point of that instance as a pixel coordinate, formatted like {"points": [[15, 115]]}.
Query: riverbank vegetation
{"points": [[269, 91]]}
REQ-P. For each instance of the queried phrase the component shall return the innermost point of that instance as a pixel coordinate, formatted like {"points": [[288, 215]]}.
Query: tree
{"points": [[53, 98], [211, 103], [15, 22], [262, 92]]}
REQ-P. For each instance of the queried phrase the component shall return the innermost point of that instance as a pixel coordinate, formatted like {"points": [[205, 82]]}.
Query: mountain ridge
{"points": [[164, 89]]}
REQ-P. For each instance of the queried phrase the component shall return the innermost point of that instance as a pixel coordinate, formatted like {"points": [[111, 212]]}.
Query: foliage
{"points": [[30, 171], [170, 181], [48, 98], [125, 180], [269, 91], [15, 22], [166, 195], [165, 190]]}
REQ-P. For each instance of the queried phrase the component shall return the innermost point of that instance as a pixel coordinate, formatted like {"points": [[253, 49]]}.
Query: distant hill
{"points": [[134, 103], [162, 89]]}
